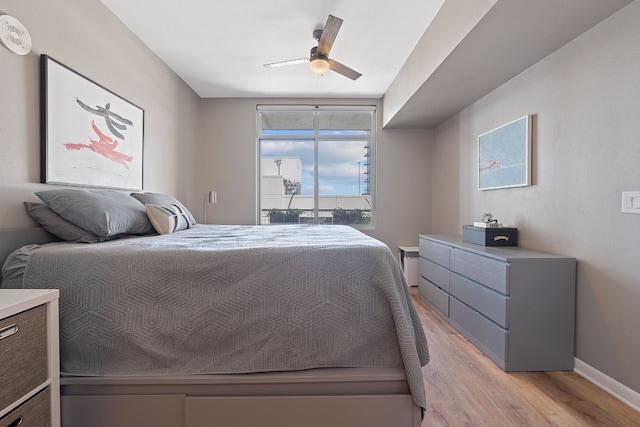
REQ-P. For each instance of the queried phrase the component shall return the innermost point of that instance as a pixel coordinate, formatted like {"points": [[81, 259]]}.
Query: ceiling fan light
{"points": [[319, 65]]}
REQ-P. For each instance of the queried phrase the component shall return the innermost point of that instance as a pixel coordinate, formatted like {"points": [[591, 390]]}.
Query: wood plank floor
{"points": [[465, 388]]}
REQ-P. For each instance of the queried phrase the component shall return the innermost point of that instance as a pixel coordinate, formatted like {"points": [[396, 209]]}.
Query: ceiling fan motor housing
{"points": [[317, 55]]}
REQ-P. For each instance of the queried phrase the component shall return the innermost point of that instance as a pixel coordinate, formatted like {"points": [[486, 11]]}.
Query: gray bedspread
{"points": [[232, 299]]}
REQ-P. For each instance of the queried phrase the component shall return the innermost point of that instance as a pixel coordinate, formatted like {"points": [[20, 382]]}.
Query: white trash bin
{"points": [[409, 263]]}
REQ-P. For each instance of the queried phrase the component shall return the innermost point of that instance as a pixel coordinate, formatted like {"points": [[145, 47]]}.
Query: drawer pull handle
{"points": [[7, 331], [16, 423]]}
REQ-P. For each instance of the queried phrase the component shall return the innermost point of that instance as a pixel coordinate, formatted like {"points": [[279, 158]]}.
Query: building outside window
{"points": [[316, 164]]}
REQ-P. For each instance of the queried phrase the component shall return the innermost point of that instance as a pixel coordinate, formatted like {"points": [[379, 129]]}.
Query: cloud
{"points": [[338, 169], [279, 148]]}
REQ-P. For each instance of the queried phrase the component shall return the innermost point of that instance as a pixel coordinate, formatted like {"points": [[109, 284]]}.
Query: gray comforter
{"points": [[232, 299]]}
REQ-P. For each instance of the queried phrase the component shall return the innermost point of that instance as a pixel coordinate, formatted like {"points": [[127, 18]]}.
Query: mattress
{"points": [[219, 299]]}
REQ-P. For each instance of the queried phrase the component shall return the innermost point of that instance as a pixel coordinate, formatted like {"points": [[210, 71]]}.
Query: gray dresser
{"points": [[514, 304]]}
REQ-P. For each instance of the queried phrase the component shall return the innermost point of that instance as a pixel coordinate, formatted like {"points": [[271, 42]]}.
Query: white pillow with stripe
{"points": [[167, 219]]}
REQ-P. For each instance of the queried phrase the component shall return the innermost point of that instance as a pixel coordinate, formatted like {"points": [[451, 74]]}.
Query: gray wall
{"points": [[229, 156], [585, 99], [86, 37]]}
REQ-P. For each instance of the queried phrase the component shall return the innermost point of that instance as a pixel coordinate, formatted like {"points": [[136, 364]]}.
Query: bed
{"points": [[231, 326]]}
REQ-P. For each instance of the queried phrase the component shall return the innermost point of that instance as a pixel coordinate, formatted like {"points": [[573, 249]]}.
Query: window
{"points": [[316, 164]]}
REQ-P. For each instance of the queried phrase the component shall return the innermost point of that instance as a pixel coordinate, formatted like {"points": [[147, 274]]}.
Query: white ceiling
{"points": [[219, 47]]}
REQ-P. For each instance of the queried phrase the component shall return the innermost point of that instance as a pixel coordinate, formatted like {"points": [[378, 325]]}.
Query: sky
{"points": [[337, 163]]}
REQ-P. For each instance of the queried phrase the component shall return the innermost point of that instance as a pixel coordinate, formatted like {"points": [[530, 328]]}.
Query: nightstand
{"points": [[29, 351]]}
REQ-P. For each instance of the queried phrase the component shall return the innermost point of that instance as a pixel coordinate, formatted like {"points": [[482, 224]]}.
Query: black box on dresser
{"points": [[490, 236]]}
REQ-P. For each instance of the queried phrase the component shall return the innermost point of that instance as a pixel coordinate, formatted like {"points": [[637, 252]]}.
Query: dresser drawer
{"points": [[23, 345], [435, 252], [491, 304], [491, 273], [437, 275], [434, 296], [491, 338], [34, 412]]}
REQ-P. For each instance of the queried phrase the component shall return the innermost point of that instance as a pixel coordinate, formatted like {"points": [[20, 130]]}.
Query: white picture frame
{"points": [[504, 155]]}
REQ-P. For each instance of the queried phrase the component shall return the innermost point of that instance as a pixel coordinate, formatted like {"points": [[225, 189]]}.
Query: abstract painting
{"points": [[90, 136], [504, 156]]}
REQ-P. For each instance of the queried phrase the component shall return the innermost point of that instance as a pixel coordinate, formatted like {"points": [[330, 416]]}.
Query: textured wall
{"points": [[86, 37], [585, 100], [229, 156]]}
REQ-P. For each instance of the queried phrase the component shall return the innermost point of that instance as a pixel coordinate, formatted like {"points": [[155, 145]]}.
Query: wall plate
{"points": [[631, 202]]}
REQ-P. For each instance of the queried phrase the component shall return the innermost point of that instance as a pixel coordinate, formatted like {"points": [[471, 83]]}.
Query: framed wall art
{"points": [[504, 155], [89, 135]]}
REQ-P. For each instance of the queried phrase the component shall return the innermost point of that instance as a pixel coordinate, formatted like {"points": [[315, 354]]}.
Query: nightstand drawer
{"points": [[491, 273], [23, 345], [33, 412], [436, 252], [437, 275]]}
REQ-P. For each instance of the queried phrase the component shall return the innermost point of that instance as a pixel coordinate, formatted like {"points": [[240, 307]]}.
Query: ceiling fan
{"points": [[319, 60]]}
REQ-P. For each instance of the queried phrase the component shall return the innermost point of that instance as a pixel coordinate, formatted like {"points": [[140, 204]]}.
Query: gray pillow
{"points": [[162, 200], [105, 213], [58, 226]]}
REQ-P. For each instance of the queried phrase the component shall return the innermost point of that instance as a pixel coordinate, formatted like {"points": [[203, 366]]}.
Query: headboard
{"points": [[10, 240]]}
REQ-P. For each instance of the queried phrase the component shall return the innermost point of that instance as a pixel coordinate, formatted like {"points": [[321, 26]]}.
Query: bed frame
{"points": [[339, 397]]}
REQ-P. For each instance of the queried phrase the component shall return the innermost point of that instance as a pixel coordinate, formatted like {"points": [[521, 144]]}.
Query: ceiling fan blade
{"points": [[343, 69], [329, 34], [285, 63]]}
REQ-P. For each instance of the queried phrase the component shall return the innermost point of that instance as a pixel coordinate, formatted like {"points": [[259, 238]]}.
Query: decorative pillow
{"points": [[162, 200], [56, 225], [167, 219], [105, 213]]}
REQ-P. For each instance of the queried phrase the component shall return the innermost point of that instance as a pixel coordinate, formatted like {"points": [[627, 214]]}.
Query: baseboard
{"points": [[608, 384]]}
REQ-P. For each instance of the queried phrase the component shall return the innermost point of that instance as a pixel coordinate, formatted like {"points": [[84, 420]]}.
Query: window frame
{"points": [[317, 137]]}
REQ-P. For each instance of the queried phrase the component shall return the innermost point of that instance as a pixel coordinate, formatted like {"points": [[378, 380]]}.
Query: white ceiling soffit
{"points": [[219, 47], [512, 36]]}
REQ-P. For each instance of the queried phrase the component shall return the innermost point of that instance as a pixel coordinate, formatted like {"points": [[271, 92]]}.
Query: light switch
{"points": [[631, 202]]}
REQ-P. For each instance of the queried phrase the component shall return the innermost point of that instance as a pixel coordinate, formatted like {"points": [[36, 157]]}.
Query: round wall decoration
{"points": [[14, 36]]}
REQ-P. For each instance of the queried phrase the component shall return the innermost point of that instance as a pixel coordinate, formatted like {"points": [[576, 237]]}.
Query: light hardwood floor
{"points": [[465, 388]]}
